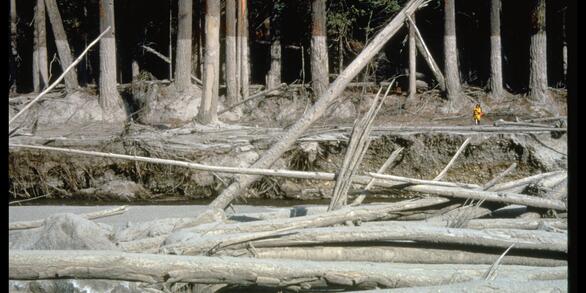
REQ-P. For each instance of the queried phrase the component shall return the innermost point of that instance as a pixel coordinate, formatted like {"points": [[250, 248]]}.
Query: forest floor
{"points": [[400, 123]]}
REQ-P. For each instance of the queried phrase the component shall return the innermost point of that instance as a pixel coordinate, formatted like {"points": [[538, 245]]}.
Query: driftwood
{"points": [[89, 216], [150, 268], [399, 231], [61, 77], [255, 96], [362, 213], [499, 285], [405, 253]]}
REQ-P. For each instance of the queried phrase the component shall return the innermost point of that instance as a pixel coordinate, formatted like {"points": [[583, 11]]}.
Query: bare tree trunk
{"points": [[171, 40], [36, 74], [319, 48], [211, 79], [231, 63], [496, 67], [42, 62], [318, 108], [13, 46], [244, 49], [183, 55], [412, 60], [451, 69], [135, 70], [110, 100], [274, 75], [538, 53], [564, 48], [62, 44]]}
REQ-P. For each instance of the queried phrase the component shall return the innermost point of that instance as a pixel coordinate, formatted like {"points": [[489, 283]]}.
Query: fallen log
{"points": [[481, 224], [130, 241], [196, 243], [151, 268], [519, 185], [358, 200], [389, 254], [497, 178], [499, 285], [89, 216], [422, 181], [250, 98]]}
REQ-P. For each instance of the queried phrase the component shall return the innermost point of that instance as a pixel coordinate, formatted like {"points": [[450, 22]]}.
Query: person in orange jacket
{"points": [[477, 114]]}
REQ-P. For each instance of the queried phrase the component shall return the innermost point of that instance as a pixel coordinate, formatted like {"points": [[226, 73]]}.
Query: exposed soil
{"points": [[66, 176]]}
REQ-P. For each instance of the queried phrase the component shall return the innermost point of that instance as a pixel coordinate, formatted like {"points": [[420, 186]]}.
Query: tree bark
{"points": [[208, 111], [231, 63], [496, 67], [110, 100], [183, 53], [42, 62], [13, 46], [451, 69], [318, 108], [390, 254], [244, 69], [538, 89], [319, 48], [151, 268], [412, 60], [62, 44]]}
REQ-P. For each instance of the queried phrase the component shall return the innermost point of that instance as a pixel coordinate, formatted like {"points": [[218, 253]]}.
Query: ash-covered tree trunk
{"points": [[452, 72], [231, 63], [110, 100], [41, 27], [538, 53], [412, 61], [274, 75], [183, 53], [211, 76], [244, 70], [496, 67], [319, 48], [61, 43], [13, 41]]}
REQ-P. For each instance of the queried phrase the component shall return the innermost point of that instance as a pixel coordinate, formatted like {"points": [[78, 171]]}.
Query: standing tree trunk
{"points": [[211, 77], [61, 43], [496, 67], [412, 61], [14, 52], [110, 100], [319, 48], [274, 75], [244, 49], [564, 48], [452, 73], [183, 55], [231, 65], [171, 40], [42, 62], [538, 53], [36, 75]]}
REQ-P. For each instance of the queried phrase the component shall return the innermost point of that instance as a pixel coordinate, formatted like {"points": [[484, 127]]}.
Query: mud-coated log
{"points": [[390, 254], [520, 184], [499, 285], [198, 243], [151, 268], [480, 224]]}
